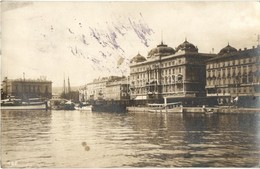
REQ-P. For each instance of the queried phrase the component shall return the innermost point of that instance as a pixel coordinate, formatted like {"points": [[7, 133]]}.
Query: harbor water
{"points": [[89, 139]]}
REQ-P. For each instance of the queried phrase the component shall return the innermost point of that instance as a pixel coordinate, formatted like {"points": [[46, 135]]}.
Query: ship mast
{"points": [[69, 88], [64, 86]]}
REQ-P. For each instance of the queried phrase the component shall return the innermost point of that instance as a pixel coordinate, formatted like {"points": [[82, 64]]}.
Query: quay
{"points": [[200, 110], [238, 110]]}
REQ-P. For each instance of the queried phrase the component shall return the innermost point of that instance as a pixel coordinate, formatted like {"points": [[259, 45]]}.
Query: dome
{"points": [[227, 49], [161, 50], [187, 47], [138, 58]]}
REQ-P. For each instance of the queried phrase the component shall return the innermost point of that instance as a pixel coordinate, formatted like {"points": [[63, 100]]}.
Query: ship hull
{"points": [[25, 107]]}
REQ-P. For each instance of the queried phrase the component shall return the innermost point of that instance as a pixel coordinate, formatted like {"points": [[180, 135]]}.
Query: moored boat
{"points": [[166, 108], [18, 104], [84, 106], [69, 105]]}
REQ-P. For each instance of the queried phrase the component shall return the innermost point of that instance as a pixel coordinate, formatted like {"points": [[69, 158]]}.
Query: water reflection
{"points": [[85, 139]]}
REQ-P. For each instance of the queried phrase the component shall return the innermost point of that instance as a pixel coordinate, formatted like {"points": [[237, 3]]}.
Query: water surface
{"points": [[85, 139]]}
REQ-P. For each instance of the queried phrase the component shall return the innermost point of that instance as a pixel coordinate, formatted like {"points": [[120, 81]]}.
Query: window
{"points": [[208, 74], [244, 70], [223, 72], [228, 72], [239, 69], [179, 69]]}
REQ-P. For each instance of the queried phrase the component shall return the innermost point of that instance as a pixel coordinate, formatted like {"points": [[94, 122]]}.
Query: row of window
{"points": [[232, 62], [145, 90], [171, 71], [245, 90], [230, 71], [233, 80], [172, 63], [30, 89], [154, 74], [166, 80], [166, 64]]}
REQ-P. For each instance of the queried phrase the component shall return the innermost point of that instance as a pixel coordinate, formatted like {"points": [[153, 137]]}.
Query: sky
{"points": [[88, 40]]}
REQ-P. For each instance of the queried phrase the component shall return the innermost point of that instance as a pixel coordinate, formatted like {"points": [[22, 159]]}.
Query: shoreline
{"points": [[200, 110]]}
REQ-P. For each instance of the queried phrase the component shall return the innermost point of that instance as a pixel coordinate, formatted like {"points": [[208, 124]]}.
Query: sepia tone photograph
{"points": [[130, 84]]}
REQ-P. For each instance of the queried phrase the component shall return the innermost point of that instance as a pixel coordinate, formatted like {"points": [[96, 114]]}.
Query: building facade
{"points": [[83, 94], [96, 89], [27, 88], [168, 72], [234, 75], [118, 89], [105, 88]]}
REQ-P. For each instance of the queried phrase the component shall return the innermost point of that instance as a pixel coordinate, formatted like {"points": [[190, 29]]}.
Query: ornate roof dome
{"points": [[161, 50], [187, 47], [227, 49], [138, 58]]}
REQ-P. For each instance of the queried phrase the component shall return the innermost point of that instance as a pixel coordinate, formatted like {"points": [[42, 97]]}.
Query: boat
{"points": [[69, 105], [108, 106], [166, 108], [84, 106], [207, 111], [18, 104]]}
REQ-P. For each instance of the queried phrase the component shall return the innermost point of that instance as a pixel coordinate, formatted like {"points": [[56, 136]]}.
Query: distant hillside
{"points": [[59, 90]]}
